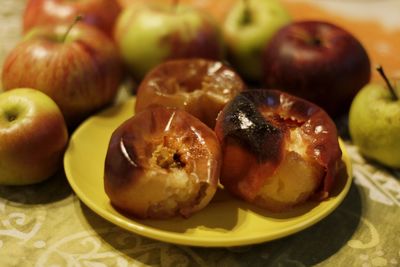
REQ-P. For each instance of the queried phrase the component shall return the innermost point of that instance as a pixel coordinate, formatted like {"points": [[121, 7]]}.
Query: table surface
{"points": [[47, 225]]}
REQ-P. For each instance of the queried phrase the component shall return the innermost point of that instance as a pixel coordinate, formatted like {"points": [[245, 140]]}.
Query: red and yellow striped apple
{"points": [[79, 69], [99, 13]]}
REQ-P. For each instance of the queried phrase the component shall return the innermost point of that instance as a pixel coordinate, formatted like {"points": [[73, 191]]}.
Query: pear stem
{"points": [[389, 85], [77, 18], [247, 14]]}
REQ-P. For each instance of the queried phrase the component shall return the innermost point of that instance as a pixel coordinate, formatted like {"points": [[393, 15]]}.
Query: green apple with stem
{"points": [[33, 137], [150, 33], [248, 27], [374, 122]]}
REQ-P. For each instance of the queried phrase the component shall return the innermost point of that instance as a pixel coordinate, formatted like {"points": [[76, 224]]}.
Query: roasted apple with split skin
{"points": [[201, 87], [278, 150], [162, 162]]}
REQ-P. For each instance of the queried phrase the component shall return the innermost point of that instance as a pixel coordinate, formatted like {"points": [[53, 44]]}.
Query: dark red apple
{"points": [[318, 61], [161, 163], [99, 13], [278, 150], [201, 87], [81, 71]]}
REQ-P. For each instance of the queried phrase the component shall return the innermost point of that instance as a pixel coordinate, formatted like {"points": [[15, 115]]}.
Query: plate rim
{"points": [[135, 226]]}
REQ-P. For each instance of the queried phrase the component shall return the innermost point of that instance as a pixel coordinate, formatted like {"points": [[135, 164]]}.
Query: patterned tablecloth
{"points": [[47, 225]]}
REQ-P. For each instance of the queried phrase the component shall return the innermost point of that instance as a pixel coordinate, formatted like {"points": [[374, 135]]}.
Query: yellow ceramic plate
{"points": [[226, 221]]}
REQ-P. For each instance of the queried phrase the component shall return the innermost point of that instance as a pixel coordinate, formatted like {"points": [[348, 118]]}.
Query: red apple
{"points": [[81, 72], [201, 87], [278, 150], [318, 61], [99, 13], [33, 137], [150, 33], [162, 162]]}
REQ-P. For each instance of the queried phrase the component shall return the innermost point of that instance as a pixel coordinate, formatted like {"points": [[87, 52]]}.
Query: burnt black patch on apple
{"points": [[244, 123]]}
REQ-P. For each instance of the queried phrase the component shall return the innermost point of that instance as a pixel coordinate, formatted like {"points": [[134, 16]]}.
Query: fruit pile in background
{"points": [[200, 57]]}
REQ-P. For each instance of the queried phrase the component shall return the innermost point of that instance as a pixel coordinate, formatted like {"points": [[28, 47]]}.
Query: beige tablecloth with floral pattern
{"points": [[47, 224]]}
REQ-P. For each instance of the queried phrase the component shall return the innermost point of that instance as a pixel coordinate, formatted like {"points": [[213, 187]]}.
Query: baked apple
{"points": [[278, 150], [201, 87], [161, 163]]}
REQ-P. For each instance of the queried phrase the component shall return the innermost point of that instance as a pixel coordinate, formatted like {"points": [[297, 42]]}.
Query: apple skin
{"points": [[150, 33], [245, 41], [81, 74], [162, 162], [259, 130], [99, 13], [374, 124], [33, 137], [198, 86], [318, 61]]}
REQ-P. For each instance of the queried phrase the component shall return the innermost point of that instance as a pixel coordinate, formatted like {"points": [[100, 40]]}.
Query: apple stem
{"points": [[247, 14], [389, 85], [76, 20]]}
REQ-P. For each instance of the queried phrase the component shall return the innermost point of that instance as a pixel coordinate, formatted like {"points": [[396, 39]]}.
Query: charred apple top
{"points": [[264, 122], [245, 123]]}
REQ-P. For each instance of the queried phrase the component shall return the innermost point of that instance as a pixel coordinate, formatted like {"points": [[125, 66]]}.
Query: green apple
{"points": [[374, 123], [150, 33], [247, 29], [33, 137]]}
